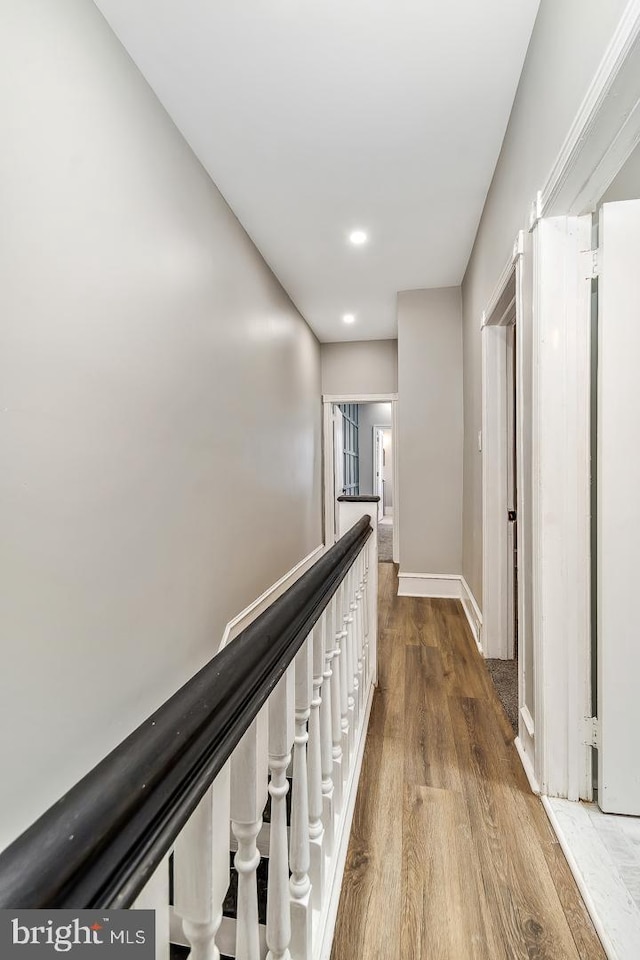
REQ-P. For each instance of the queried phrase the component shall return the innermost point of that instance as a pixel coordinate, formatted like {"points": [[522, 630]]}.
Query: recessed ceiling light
{"points": [[348, 317], [358, 237]]}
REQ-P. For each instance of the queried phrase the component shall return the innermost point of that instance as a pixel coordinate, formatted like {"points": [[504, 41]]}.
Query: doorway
{"points": [[504, 670], [360, 461], [383, 471], [504, 447]]}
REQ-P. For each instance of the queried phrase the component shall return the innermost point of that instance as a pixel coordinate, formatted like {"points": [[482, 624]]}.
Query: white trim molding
{"points": [[605, 131], [503, 280], [502, 310], [472, 613], [359, 397], [444, 586], [561, 505], [250, 613], [527, 766]]}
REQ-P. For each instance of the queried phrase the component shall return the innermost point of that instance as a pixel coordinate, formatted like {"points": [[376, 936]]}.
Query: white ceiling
{"points": [[315, 117]]}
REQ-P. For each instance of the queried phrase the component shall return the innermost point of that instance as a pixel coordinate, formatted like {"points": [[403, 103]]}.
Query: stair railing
{"points": [[283, 707]]}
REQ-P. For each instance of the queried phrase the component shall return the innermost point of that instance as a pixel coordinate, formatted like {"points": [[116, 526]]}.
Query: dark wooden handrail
{"points": [[100, 843]]}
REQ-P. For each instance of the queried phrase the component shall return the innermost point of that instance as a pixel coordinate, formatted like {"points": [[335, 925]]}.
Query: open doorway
{"points": [[383, 471], [504, 486], [504, 671], [359, 461]]}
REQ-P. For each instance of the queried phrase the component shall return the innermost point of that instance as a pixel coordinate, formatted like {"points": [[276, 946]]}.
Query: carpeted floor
{"points": [[385, 543], [504, 674]]}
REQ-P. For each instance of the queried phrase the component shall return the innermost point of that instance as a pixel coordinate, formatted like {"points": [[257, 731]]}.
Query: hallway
{"points": [[451, 857]]}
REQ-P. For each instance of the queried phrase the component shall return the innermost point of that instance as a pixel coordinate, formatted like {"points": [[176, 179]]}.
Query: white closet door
{"points": [[619, 508]]}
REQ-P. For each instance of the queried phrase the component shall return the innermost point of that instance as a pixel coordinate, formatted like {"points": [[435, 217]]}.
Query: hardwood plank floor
{"points": [[451, 857]]}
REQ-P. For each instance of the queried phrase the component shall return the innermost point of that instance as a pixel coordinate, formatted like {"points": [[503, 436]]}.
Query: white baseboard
{"points": [[249, 614], [448, 586], [472, 612], [437, 585]]}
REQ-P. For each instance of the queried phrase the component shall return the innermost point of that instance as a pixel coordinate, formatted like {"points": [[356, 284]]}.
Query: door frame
{"points": [[554, 608], [602, 136], [561, 502], [327, 446], [381, 427], [337, 446], [501, 312]]}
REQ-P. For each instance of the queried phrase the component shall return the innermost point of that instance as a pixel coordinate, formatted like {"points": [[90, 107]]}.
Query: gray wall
{"points": [[160, 436], [360, 367], [371, 414], [566, 47], [430, 430]]}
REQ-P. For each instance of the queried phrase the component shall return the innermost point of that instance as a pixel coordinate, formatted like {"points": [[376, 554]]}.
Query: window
{"points": [[351, 453]]}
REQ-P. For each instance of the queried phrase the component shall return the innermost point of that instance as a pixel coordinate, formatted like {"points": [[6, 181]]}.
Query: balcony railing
{"points": [[283, 708]]}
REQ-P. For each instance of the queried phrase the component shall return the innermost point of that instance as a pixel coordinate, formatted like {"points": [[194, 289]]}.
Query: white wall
{"points": [[626, 185], [370, 414], [567, 44], [360, 367], [160, 398], [430, 430]]}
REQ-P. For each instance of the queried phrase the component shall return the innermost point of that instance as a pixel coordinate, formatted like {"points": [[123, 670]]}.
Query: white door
{"points": [[511, 519], [618, 499], [338, 463], [378, 469]]}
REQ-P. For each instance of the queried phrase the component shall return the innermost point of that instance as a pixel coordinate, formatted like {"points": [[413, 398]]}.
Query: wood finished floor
{"points": [[451, 856]]}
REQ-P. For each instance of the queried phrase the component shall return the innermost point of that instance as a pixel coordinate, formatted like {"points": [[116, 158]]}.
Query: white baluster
{"points": [[249, 774], [314, 759], [201, 869], [343, 646], [155, 896], [351, 660], [359, 634], [326, 740], [363, 627], [281, 733], [365, 580], [365, 607], [355, 638], [300, 883], [335, 626]]}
